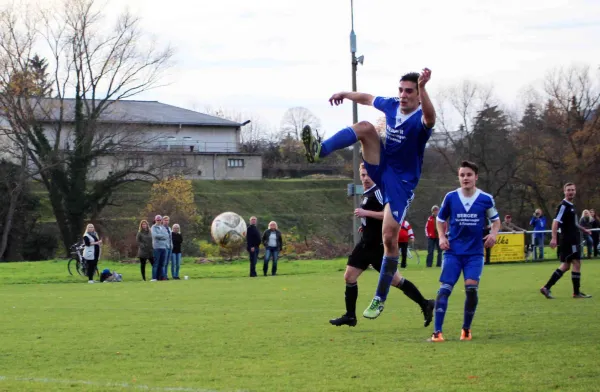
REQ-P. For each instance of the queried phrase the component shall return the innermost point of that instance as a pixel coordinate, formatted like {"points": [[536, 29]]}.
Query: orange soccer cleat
{"points": [[465, 334]]}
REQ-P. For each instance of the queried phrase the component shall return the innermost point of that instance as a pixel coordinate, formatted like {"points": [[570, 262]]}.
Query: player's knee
{"points": [[350, 278], [471, 289], [445, 290], [366, 131], [390, 238]]}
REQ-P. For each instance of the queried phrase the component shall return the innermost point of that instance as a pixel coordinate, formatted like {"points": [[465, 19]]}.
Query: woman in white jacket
{"points": [[91, 252]]}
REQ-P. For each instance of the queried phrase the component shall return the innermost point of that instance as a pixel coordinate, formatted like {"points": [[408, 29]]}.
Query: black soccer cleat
{"points": [[344, 320], [581, 295], [546, 293], [427, 311]]}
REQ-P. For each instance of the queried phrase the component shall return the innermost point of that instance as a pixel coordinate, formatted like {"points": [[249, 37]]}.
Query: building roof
{"points": [[133, 112]]}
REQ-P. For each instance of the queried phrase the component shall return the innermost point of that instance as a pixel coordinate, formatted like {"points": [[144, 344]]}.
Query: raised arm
{"points": [[360, 98], [426, 105]]}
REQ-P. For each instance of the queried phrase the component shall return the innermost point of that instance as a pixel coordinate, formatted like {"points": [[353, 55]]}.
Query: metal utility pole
{"points": [[356, 147]]}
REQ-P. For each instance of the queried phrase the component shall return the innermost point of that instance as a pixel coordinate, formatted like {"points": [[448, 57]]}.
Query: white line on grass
{"points": [[109, 384]]}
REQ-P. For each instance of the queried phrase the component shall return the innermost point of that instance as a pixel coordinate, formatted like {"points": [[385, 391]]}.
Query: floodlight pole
{"points": [[356, 147]]}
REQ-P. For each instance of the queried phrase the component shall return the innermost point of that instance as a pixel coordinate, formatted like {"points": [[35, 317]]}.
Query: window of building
{"points": [[235, 163], [178, 162], [134, 162], [94, 162]]}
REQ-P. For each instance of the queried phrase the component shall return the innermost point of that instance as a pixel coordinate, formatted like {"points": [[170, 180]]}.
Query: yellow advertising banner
{"points": [[508, 248]]}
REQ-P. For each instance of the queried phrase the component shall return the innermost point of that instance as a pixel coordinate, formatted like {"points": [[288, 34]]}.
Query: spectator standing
{"points": [[538, 222], [253, 240], [433, 241], [404, 235], [176, 240], [596, 233], [169, 248], [273, 243], [91, 252], [508, 225], [586, 222], [160, 238], [144, 242]]}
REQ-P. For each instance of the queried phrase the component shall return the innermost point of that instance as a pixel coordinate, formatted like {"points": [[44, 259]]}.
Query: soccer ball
{"points": [[229, 230]]}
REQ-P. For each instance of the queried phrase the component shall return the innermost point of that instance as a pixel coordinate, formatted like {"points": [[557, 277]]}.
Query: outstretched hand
{"points": [[424, 77], [336, 99]]}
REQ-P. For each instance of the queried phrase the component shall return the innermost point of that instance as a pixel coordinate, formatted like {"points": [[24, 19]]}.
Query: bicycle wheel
{"points": [[82, 268], [71, 265]]}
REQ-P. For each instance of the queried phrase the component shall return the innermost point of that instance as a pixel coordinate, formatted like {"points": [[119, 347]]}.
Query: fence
{"points": [[522, 246]]}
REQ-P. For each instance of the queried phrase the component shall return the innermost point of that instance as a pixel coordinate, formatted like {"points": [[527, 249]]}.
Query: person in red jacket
{"points": [[404, 235], [433, 241]]}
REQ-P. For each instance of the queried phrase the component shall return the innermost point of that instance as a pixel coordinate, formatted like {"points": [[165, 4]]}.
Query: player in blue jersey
{"points": [[463, 214], [393, 164]]}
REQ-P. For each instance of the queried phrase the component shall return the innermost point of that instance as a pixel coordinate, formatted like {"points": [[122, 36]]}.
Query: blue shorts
{"points": [[395, 191], [471, 267]]}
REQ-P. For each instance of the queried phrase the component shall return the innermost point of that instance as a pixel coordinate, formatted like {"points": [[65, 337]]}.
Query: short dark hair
{"points": [[567, 184], [410, 77], [470, 165]]}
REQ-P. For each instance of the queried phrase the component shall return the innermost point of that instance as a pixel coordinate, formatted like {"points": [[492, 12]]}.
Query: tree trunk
{"points": [[14, 198]]}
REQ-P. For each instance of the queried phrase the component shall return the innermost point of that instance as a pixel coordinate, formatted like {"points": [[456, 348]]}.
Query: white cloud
{"points": [[266, 56]]}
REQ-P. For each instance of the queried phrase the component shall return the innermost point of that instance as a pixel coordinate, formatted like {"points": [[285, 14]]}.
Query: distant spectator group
{"points": [[271, 239], [159, 245]]}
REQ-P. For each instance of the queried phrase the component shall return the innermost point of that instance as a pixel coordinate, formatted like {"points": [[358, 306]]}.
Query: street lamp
{"points": [[355, 149]]}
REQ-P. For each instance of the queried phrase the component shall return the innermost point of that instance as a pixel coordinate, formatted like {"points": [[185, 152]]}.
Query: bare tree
{"points": [[254, 135], [295, 119], [98, 66]]}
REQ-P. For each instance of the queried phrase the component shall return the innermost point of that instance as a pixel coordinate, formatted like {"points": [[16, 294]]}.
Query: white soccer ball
{"points": [[229, 230]]}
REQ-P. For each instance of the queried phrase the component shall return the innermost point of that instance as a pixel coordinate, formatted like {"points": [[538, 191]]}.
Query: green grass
{"points": [[223, 331]]}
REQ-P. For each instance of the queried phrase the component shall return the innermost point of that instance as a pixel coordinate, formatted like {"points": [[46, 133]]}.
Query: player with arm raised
{"points": [[570, 252], [394, 165], [464, 212], [369, 251]]}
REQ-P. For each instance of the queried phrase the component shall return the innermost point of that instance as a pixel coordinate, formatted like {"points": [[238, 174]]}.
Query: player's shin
{"points": [[556, 275], [576, 279], [470, 305], [351, 295], [411, 291], [342, 139], [389, 266], [441, 305]]}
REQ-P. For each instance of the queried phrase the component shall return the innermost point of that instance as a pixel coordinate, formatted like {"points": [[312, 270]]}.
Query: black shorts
{"points": [[364, 255], [569, 251]]}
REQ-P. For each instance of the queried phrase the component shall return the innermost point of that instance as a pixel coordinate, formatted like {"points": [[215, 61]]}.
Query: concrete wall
{"points": [[200, 166]]}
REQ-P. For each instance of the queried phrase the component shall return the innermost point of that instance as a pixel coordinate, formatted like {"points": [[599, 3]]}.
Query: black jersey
{"points": [[371, 227], [566, 216]]}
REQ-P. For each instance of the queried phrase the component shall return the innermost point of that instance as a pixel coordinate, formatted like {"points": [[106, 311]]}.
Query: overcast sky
{"points": [[265, 56]]}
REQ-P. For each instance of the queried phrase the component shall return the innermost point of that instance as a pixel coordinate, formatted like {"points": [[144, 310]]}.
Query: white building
{"points": [[164, 138]]}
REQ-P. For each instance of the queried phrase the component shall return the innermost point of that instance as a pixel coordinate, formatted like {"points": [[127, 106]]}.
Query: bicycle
{"points": [[77, 262], [412, 252]]}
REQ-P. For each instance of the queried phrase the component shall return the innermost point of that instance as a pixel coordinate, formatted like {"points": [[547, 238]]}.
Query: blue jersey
{"points": [[467, 218], [405, 140]]}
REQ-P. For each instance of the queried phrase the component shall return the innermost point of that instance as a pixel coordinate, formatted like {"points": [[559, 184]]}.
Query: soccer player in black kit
{"points": [[369, 251], [570, 242]]}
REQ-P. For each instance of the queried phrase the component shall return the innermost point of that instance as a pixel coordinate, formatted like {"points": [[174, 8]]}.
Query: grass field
{"points": [[223, 331]]}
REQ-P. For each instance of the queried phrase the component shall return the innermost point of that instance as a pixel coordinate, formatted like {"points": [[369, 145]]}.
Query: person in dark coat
{"points": [[253, 240], [145, 251]]}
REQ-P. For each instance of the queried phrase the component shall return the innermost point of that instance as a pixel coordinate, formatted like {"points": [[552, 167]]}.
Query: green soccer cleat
{"points": [[312, 144], [375, 309]]}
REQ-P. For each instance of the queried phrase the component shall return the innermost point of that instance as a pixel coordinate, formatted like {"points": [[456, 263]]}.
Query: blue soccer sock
{"points": [[441, 304], [389, 266], [344, 138], [470, 305]]}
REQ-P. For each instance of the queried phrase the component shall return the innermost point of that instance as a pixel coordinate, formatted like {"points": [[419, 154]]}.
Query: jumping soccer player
{"points": [[464, 212], [566, 218], [394, 165], [369, 251]]}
